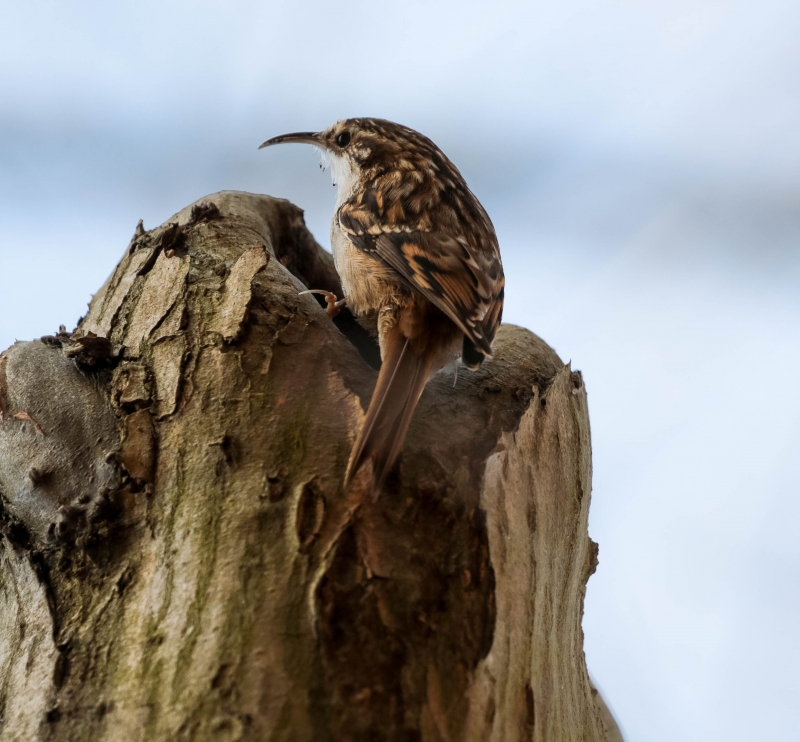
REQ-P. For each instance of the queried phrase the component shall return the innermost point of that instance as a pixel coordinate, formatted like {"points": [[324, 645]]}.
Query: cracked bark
{"points": [[178, 559]]}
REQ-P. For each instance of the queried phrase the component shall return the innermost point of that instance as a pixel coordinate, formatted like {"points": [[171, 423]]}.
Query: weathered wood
{"points": [[179, 561]]}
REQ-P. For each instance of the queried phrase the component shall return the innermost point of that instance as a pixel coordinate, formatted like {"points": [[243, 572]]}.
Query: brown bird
{"points": [[419, 262]]}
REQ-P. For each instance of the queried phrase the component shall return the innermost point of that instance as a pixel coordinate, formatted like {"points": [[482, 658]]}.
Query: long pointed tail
{"points": [[404, 372]]}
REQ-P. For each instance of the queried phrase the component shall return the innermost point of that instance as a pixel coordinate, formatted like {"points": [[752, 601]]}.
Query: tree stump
{"points": [[179, 560]]}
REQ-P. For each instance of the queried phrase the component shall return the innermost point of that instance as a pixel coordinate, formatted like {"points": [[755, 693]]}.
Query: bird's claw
{"points": [[330, 298]]}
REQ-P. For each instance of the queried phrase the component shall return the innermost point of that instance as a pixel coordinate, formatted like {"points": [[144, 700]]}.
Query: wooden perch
{"points": [[179, 561]]}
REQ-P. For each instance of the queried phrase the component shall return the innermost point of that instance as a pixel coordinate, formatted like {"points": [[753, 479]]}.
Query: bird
{"points": [[419, 263]]}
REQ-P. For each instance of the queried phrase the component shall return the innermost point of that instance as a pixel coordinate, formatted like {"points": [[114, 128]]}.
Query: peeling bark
{"points": [[179, 561]]}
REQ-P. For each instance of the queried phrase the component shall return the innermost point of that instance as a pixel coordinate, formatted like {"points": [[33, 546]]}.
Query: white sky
{"points": [[641, 162]]}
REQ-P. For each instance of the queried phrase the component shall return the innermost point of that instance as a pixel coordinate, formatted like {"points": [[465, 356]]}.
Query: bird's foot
{"points": [[331, 300]]}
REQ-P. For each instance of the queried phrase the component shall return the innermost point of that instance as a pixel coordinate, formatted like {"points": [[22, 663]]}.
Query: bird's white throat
{"points": [[343, 174]]}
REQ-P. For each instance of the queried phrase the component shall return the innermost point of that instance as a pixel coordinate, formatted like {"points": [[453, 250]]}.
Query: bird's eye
{"points": [[343, 139]]}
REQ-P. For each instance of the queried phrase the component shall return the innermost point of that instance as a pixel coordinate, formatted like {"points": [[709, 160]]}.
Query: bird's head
{"points": [[361, 149]]}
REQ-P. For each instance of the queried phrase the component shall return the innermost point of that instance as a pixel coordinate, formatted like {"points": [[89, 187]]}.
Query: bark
{"points": [[179, 561]]}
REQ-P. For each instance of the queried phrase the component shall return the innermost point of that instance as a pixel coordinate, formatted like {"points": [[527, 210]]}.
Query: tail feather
{"points": [[401, 380]]}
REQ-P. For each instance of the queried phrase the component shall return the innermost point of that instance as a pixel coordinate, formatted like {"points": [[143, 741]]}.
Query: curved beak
{"points": [[300, 137]]}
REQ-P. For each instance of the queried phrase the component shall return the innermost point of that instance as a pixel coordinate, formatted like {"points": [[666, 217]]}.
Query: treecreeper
{"points": [[419, 264]]}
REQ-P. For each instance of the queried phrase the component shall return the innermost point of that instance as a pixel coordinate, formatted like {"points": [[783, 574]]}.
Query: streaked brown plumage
{"points": [[419, 261]]}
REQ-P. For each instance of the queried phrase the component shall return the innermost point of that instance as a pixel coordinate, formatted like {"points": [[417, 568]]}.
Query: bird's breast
{"points": [[368, 284]]}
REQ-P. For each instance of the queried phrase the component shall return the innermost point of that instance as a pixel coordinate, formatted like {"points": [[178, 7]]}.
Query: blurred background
{"points": [[641, 162]]}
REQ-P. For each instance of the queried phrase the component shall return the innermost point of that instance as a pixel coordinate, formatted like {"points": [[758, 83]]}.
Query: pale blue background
{"points": [[641, 162]]}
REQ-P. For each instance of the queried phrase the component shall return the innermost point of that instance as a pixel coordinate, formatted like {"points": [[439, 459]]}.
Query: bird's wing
{"points": [[463, 279]]}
